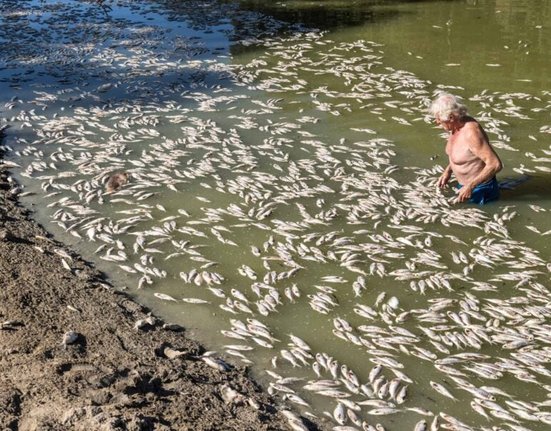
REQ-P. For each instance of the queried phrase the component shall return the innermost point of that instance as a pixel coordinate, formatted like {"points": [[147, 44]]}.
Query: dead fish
{"points": [[164, 297], [217, 364], [442, 390], [195, 301], [340, 414]]}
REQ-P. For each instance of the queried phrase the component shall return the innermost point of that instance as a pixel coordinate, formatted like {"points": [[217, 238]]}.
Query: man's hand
{"points": [[444, 179], [465, 193]]}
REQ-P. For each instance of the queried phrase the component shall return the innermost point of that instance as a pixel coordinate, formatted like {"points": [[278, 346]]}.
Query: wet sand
{"points": [[113, 376]]}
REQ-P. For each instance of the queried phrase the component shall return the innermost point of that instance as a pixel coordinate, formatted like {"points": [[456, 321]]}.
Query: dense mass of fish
{"points": [[235, 192]]}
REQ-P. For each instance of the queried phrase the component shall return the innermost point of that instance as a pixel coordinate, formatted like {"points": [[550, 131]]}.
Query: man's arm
{"points": [[481, 148], [445, 177]]}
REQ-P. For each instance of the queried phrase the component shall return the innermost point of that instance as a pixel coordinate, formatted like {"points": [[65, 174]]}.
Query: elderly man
{"points": [[472, 159]]}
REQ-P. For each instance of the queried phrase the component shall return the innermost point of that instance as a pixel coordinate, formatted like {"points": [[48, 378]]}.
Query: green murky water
{"points": [[296, 151]]}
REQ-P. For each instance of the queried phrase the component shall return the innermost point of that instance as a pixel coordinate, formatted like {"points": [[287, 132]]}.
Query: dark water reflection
{"points": [[534, 189], [320, 15], [327, 15]]}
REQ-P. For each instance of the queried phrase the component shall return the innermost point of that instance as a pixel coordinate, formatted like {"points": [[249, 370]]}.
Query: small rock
{"points": [[145, 323], [122, 400], [6, 235], [231, 396], [10, 401], [140, 423], [173, 327], [129, 305], [72, 416], [11, 324], [82, 274], [106, 380], [69, 337], [100, 398]]}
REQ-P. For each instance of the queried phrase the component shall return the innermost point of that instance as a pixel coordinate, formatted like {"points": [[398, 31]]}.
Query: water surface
{"points": [[290, 158]]}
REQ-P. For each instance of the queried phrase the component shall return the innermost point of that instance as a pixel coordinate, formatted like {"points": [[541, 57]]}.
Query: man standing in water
{"points": [[472, 159]]}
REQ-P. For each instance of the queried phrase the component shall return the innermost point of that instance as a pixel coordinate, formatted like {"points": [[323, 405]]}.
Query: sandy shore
{"points": [[109, 375]]}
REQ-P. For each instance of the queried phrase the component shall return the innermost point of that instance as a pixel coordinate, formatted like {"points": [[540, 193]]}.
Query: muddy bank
{"points": [[120, 369]]}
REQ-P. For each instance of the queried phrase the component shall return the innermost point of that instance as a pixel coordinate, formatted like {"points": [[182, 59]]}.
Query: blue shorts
{"points": [[485, 192]]}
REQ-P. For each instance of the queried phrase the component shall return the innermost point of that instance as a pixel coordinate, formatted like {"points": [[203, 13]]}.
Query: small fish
{"points": [[195, 301], [340, 414], [383, 411], [442, 390], [296, 399], [217, 364], [164, 297]]}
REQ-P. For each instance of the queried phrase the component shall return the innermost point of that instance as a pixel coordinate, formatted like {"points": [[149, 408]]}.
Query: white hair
{"points": [[446, 106]]}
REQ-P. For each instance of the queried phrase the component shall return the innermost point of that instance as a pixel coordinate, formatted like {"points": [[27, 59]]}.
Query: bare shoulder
{"points": [[474, 132], [473, 126]]}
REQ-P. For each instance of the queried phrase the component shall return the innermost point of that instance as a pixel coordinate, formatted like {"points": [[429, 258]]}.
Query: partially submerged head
{"points": [[447, 108], [116, 181]]}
